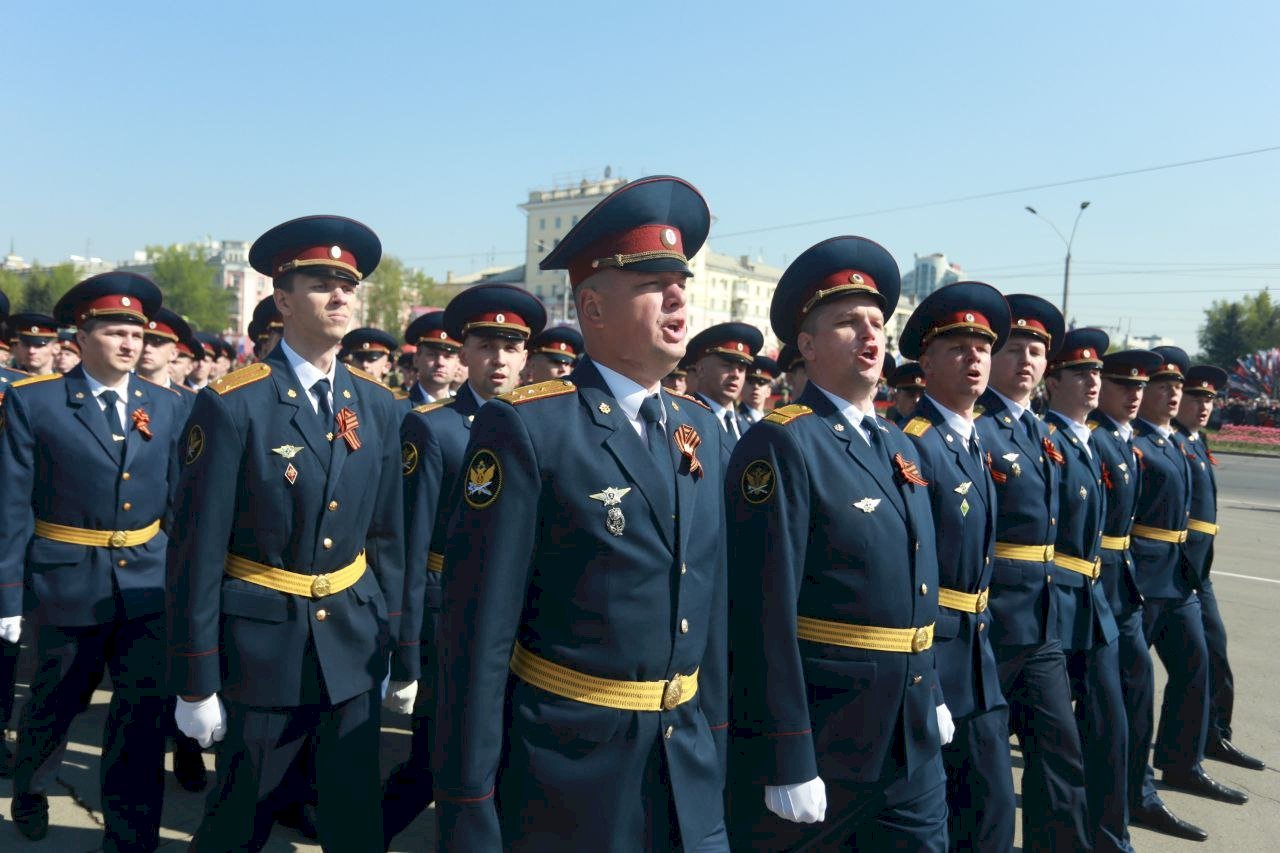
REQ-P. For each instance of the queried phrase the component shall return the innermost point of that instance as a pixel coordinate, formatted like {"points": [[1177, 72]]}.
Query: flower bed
{"points": [[1252, 435]]}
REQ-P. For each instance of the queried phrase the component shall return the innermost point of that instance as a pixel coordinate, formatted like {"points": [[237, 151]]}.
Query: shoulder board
{"points": [[432, 406], [1092, 425], [1053, 428], [240, 378], [171, 389], [688, 397], [978, 409], [538, 391], [917, 426], [400, 394], [367, 377], [787, 414], [32, 380]]}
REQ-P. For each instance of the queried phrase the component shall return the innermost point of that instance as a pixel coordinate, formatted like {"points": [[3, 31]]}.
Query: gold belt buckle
{"points": [[671, 694], [320, 586], [981, 604], [118, 538], [920, 640]]}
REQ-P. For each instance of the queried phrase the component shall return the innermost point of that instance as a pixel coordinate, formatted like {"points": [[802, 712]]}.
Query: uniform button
{"points": [[1048, 578], [122, 563], [982, 626], [327, 543], [986, 561], [669, 732], [684, 626], [683, 568], [916, 679], [333, 505], [322, 615], [1053, 521], [917, 546], [924, 589], [126, 506], [125, 475]]}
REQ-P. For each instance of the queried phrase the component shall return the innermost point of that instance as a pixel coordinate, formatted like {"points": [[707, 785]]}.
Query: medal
{"points": [[614, 521]]}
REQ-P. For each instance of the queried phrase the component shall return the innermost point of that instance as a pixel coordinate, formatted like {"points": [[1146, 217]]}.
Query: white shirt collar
{"points": [[308, 374], [1164, 431], [716, 409], [430, 397], [629, 393], [96, 388], [851, 413], [958, 423], [1125, 430], [1081, 431], [1016, 408]]}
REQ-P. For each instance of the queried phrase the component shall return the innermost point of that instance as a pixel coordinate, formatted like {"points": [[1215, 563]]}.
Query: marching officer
{"points": [[85, 459], [721, 356], [585, 573], [436, 358], [286, 562], [9, 631], [66, 352], [955, 356], [792, 364], [35, 338], [371, 351], [494, 323], [834, 587], [1203, 383], [907, 382], [1171, 611], [1024, 628], [270, 326], [553, 353], [163, 334], [1086, 623], [755, 394], [677, 380]]}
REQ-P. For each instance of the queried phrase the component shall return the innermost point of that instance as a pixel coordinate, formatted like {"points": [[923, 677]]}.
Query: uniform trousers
{"points": [[260, 746], [980, 796], [1222, 688], [8, 680], [71, 664], [1138, 688], [1100, 714], [1175, 628], [1033, 679], [408, 790]]}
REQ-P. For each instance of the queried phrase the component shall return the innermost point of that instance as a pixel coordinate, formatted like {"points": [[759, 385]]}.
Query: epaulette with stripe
{"points": [[432, 406], [688, 397], [239, 378], [1092, 425], [400, 394], [978, 409], [787, 414], [367, 377], [917, 426], [538, 391], [168, 388], [32, 380], [1053, 428]]}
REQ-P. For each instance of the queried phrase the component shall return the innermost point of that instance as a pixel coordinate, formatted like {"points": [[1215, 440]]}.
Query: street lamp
{"points": [[1066, 241]]}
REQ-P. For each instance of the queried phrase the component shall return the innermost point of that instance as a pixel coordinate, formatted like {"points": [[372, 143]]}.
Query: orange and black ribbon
{"points": [[1213, 460], [142, 423], [1106, 477], [996, 476], [347, 423], [687, 441], [908, 471], [1052, 451]]}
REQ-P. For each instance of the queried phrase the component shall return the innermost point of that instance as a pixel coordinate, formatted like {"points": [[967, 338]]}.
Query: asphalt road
{"points": [[1247, 579]]}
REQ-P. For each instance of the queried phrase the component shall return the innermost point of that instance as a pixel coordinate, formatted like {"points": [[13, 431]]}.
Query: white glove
{"points": [[10, 628], [946, 728], [204, 721], [803, 803], [399, 696]]}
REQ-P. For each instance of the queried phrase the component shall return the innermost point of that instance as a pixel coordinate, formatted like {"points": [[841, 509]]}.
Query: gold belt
{"points": [[1203, 526], [1091, 570], [910, 640], [296, 583], [969, 602], [1142, 531], [97, 538], [435, 562], [1115, 543], [607, 692], [1030, 553]]}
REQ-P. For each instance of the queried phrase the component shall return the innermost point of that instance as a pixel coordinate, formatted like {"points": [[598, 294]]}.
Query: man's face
{"points": [[157, 354], [34, 355], [221, 366], [543, 367], [721, 378], [180, 368], [1120, 401], [757, 392], [905, 400], [374, 363], [1017, 369], [1194, 410], [111, 346], [65, 358], [200, 369], [436, 367], [674, 383], [846, 337], [493, 364], [318, 307], [1074, 389], [797, 378], [1161, 400], [957, 367], [640, 317]]}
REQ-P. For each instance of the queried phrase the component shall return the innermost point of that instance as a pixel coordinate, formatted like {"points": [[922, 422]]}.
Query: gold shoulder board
{"points": [[538, 391], [978, 409], [689, 398], [1053, 428], [1092, 425], [32, 380], [172, 389], [917, 427], [367, 377], [400, 395], [239, 378], [787, 414], [432, 406]]}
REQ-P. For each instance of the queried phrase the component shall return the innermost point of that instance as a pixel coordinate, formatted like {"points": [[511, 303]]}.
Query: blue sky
{"points": [[137, 123]]}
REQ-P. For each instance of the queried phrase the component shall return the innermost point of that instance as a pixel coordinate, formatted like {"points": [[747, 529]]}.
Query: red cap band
{"points": [[644, 243], [972, 321], [1031, 326], [161, 330], [506, 320], [316, 256], [113, 305]]}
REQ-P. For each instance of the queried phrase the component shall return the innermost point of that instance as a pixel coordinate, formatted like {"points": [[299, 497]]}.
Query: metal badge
{"points": [[963, 488], [1084, 493], [964, 506], [291, 474], [288, 451], [867, 504], [611, 496]]}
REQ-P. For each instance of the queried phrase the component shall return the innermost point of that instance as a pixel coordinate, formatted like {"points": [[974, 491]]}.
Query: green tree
{"points": [[1234, 329], [190, 287], [384, 293], [11, 283], [42, 287]]}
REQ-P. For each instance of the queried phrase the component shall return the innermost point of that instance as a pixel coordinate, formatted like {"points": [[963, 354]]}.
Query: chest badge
{"points": [[867, 504], [611, 496], [1084, 493], [288, 451], [291, 474], [963, 488]]}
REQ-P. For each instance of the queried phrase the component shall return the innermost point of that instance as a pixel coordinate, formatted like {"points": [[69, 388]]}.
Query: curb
{"points": [[1247, 453]]}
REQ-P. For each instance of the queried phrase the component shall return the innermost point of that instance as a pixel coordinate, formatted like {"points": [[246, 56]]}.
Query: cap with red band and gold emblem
{"points": [[963, 308], [838, 267], [494, 310], [368, 340], [116, 296], [266, 318], [1174, 363], [330, 245], [562, 343], [1130, 367], [1081, 349], [168, 326], [1205, 380], [733, 341], [1035, 317], [427, 330], [907, 376], [32, 328], [653, 224]]}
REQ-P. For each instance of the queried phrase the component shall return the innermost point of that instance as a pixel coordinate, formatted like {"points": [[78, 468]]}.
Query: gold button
{"points": [[924, 589], [982, 626], [125, 475], [669, 732], [126, 506], [333, 505], [327, 543], [322, 615], [122, 563], [684, 626], [916, 679]]}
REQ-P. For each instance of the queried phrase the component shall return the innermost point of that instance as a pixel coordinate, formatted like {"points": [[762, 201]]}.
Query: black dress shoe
{"points": [[188, 765], [300, 817], [1160, 819], [1224, 750], [31, 814], [1199, 783]]}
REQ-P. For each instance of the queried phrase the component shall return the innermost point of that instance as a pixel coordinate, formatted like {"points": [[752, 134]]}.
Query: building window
{"points": [[542, 224], [557, 222], [575, 221]]}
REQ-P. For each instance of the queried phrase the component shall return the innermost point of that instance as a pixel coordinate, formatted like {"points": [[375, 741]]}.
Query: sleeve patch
{"points": [[408, 458], [484, 479], [195, 444], [758, 481]]}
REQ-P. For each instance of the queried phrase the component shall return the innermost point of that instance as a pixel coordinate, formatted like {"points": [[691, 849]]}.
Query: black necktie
{"points": [[651, 414], [321, 390], [731, 423], [974, 450], [1028, 424], [878, 451], [113, 417]]}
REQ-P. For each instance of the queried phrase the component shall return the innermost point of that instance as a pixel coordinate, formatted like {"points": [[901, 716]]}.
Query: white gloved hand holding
{"points": [[803, 803], [10, 628], [400, 696], [946, 727], [204, 721]]}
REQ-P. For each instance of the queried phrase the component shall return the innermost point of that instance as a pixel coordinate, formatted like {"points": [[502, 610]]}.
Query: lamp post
{"points": [[1066, 241]]}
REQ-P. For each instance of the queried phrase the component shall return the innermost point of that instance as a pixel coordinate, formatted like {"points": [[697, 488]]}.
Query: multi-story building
{"points": [[928, 274]]}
